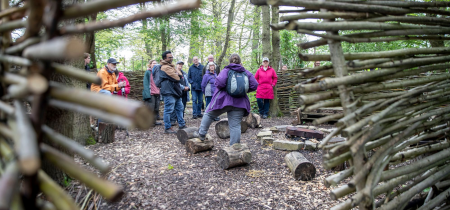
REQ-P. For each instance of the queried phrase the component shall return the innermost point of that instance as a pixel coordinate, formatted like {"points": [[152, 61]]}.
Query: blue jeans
{"points": [[263, 105], [104, 92], [234, 115], [197, 102], [208, 100], [170, 104]]}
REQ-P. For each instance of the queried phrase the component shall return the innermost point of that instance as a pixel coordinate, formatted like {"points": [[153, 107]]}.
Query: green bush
{"points": [[90, 141]]}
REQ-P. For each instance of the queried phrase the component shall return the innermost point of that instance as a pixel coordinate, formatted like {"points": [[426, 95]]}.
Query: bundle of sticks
{"points": [[396, 103], [49, 38]]}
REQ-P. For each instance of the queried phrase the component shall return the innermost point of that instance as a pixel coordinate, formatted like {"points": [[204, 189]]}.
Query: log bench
{"points": [[235, 155], [190, 138], [223, 131], [300, 167]]}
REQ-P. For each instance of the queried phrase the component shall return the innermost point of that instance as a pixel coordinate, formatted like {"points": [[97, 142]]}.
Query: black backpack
{"points": [[237, 84]]}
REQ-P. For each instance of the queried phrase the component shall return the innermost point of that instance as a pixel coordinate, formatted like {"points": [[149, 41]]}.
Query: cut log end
{"points": [[183, 135], [236, 155], [143, 118], [300, 167], [223, 130], [195, 145]]}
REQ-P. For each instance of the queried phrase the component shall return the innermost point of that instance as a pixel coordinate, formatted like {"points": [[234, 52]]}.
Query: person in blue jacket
{"points": [[195, 79]]}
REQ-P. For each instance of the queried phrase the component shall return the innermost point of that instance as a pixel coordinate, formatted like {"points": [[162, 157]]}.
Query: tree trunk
{"points": [[266, 32], [196, 145], [256, 60], [236, 155], [194, 40], [300, 167], [90, 42], [148, 49], [188, 133], [276, 56], [227, 38], [163, 35], [107, 132], [74, 125], [223, 131]]}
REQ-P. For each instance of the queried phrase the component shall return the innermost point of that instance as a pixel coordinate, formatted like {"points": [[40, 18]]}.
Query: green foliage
{"points": [[90, 141], [289, 49], [169, 167], [66, 180]]}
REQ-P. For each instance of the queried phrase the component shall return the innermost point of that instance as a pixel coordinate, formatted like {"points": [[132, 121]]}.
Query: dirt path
{"points": [[157, 173]]}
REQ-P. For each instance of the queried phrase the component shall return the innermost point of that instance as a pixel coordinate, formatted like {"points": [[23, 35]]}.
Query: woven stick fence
{"points": [[46, 41], [396, 116]]}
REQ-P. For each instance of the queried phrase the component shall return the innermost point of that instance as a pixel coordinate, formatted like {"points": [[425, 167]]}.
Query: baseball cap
{"points": [[112, 60], [265, 59], [180, 62]]}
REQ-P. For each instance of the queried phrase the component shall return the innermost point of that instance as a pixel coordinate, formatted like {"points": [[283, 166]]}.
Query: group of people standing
{"points": [[169, 83]]}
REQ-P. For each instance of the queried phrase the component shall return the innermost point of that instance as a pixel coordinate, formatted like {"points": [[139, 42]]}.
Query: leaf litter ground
{"points": [[157, 173]]}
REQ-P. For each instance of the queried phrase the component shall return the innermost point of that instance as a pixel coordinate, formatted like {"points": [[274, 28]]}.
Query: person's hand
{"points": [[186, 88], [122, 84]]}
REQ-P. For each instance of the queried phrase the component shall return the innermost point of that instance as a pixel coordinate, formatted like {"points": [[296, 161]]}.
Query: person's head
{"points": [[180, 65], [112, 64], [87, 58], [152, 63], [265, 62], [284, 67], [317, 64], [234, 58], [211, 67], [195, 60], [210, 58], [167, 56]]}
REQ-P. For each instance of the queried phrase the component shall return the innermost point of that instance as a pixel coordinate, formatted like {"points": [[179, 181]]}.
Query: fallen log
{"points": [[107, 132], [196, 145], [300, 167], [184, 135], [235, 155], [223, 129]]}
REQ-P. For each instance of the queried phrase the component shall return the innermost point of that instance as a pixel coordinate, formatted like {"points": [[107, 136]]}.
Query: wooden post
{"points": [[107, 132], [300, 167], [236, 155], [223, 130]]}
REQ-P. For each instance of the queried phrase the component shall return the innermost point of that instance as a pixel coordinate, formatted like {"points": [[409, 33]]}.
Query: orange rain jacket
{"points": [[109, 81]]}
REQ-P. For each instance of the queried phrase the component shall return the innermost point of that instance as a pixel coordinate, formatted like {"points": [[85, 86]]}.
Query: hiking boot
{"points": [[182, 127], [264, 116], [169, 131], [217, 119], [200, 115], [202, 137], [194, 117]]}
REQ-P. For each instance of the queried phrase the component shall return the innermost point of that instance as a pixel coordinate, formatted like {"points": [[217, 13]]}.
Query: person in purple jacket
{"points": [[208, 84], [221, 102]]}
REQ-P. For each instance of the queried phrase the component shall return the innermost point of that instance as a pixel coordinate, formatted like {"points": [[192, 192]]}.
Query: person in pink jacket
{"points": [[120, 78], [267, 79]]}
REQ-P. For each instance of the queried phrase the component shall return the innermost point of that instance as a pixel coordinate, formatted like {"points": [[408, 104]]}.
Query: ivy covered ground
{"points": [[157, 173]]}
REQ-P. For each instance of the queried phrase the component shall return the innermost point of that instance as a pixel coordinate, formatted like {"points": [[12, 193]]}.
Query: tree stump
{"points": [[236, 155], [106, 132], [195, 145], [253, 120], [223, 131], [188, 133], [300, 167]]}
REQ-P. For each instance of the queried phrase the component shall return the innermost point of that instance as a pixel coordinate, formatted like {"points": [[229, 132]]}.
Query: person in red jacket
{"points": [[124, 91], [267, 79]]}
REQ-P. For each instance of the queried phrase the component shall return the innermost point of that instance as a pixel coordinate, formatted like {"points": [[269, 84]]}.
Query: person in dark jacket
{"points": [[195, 79], [184, 84], [221, 102], [206, 68], [150, 93], [169, 84], [208, 84]]}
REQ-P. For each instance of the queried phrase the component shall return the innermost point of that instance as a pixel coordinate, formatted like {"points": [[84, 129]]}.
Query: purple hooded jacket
{"points": [[209, 78], [221, 98]]}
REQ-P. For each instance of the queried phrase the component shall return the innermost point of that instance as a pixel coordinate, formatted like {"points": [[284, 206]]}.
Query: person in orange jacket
{"points": [[109, 81]]}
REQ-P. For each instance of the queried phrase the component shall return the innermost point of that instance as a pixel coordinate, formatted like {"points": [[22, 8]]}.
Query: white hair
{"points": [[211, 64]]}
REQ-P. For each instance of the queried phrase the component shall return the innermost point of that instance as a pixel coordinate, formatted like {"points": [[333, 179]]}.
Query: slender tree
{"points": [[227, 39], [266, 32], [276, 57], [256, 30]]}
